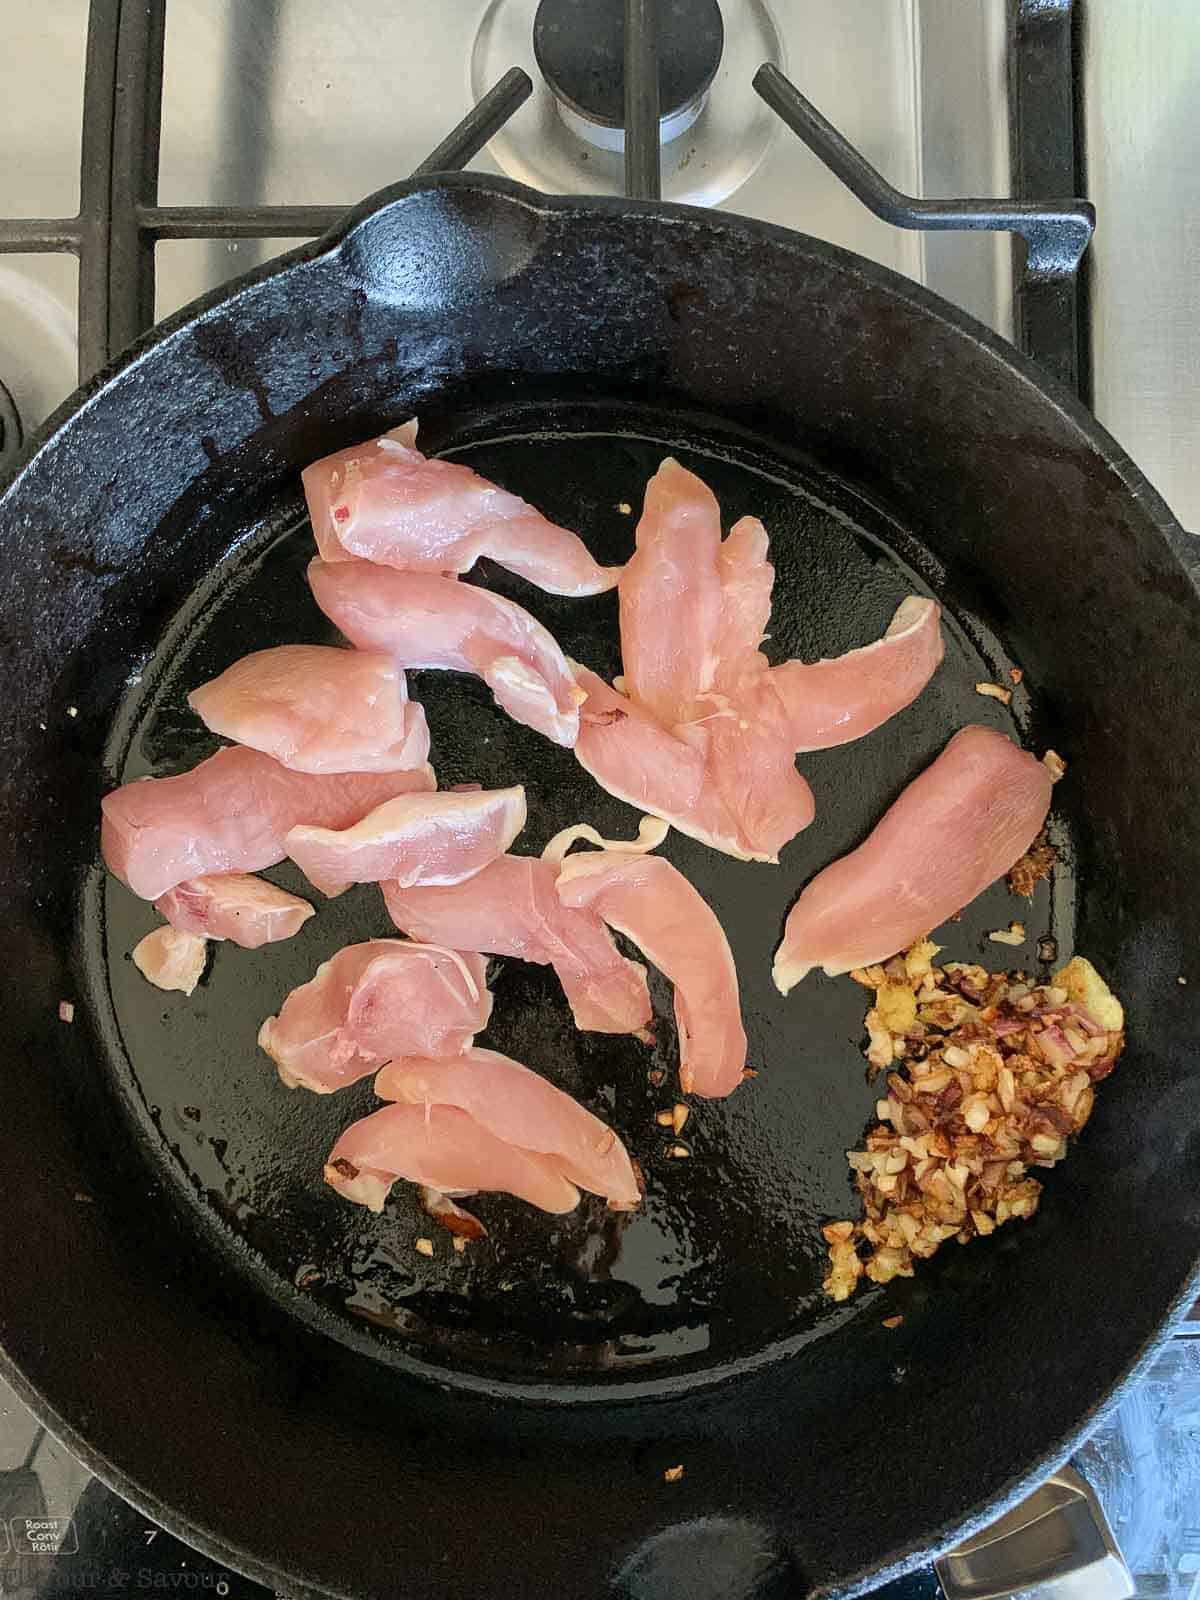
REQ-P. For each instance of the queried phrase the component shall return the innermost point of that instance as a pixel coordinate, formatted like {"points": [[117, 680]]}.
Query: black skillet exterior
{"points": [[308, 1463]]}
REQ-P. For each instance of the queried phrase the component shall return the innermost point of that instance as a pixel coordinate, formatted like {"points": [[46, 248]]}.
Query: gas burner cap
{"points": [[579, 46], [10, 427], [550, 147]]}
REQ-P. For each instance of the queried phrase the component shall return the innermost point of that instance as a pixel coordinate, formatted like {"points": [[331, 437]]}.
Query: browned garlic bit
{"points": [[1033, 866], [994, 691], [990, 1075], [456, 1221]]}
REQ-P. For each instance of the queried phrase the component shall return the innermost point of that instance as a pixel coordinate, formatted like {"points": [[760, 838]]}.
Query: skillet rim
{"points": [[332, 245]]}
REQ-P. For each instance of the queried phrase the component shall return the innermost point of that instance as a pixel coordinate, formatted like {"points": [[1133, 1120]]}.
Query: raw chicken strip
{"points": [[171, 959], [230, 814], [522, 1108], [728, 778], [718, 596], [387, 502], [444, 1149], [834, 701], [954, 830], [317, 709], [234, 905], [752, 768], [324, 480], [511, 909], [426, 621], [741, 795], [747, 583], [647, 899], [371, 1001], [706, 731], [670, 597], [415, 838]]}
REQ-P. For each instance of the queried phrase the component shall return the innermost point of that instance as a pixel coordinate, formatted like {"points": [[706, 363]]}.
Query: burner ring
{"points": [[11, 433], [548, 147], [580, 48]]}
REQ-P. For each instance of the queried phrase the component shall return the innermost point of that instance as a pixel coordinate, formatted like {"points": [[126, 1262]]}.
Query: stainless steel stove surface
{"points": [[302, 104]]}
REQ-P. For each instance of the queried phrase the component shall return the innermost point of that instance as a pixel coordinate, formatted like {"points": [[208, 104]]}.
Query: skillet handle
{"points": [[1056, 1545]]}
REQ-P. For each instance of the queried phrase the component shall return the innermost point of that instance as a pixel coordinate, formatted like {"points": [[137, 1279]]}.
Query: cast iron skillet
{"points": [[278, 1376]]}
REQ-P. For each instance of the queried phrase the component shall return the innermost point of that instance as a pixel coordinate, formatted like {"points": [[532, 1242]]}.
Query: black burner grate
{"points": [[120, 221], [1049, 236]]}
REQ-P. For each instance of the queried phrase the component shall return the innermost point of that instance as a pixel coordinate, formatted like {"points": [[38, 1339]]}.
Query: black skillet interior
{"points": [[175, 1194], [726, 1257]]}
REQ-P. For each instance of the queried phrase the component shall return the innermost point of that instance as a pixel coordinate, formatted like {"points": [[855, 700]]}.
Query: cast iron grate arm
{"points": [[1051, 236]]}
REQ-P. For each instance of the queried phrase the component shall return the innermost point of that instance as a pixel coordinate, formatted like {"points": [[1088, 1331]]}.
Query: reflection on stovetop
{"points": [[63, 1532]]}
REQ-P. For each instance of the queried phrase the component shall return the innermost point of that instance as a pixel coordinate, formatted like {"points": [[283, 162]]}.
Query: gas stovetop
{"points": [[157, 148]]}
